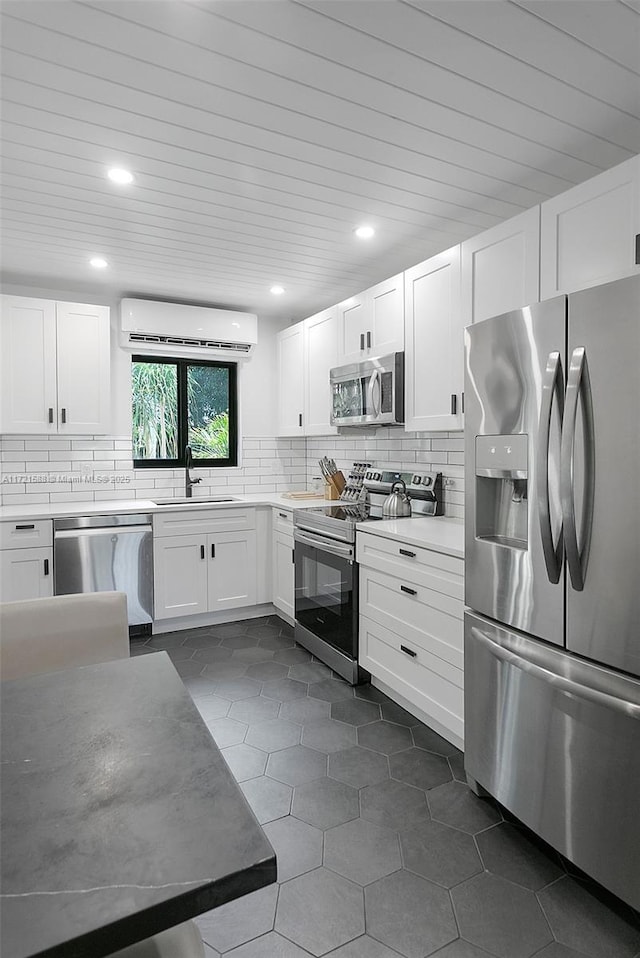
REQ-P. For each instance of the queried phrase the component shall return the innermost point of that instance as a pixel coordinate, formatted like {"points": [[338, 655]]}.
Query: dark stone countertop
{"points": [[120, 817]]}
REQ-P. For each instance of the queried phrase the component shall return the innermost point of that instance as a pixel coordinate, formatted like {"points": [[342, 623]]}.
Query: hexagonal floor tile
{"points": [[304, 710], [242, 688], [267, 671], [297, 765], [245, 761], [212, 707], [385, 737], [239, 642], [273, 735], [198, 686], [425, 737], [464, 949], [456, 764], [310, 672], [409, 914], [268, 799], [217, 653], [228, 629], [168, 640], [283, 690], [556, 950], [327, 735], [189, 668], [355, 711], [325, 803], [292, 656], [253, 710], [507, 851], [358, 766], [361, 851], [262, 629], [221, 671], [201, 639], [180, 653], [252, 654], [501, 917], [364, 947], [298, 846], [227, 731], [455, 804], [320, 911], [331, 690], [241, 920], [441, 854], [271, 945], [394, 804], [579, 920], [371, 694], [392, 712], [416, 767], [276, 642]]}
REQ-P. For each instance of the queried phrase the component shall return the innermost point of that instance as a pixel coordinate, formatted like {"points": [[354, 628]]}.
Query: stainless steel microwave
{"points": [[370, 393]]}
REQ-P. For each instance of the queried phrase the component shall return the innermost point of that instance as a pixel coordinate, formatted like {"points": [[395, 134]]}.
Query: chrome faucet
{"points": [[189, 483]]}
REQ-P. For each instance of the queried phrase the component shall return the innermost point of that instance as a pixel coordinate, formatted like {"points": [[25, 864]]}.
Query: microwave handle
{"points": [[373, 398]]}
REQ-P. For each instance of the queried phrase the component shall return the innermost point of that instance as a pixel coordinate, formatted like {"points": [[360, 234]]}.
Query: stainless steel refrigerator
{"points": [[552, 633]]}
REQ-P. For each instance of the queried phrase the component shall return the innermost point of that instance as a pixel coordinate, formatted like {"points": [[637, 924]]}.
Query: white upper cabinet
{"points": [[434, 373], [588, 233], [320, 356], [55, 367], [500, 268], [290, 349], [371, 323]]}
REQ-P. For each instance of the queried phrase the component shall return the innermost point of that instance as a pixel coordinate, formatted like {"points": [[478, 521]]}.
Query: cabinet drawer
{"points": [[433, 621], [283, 521], [203, 521], [414, 564], [26, 534], [424, 680]]}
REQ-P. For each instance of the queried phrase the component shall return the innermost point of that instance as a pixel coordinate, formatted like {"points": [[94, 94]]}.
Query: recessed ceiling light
{"points": [[364, 232], [119, 175], [98, 262], [277, 290]]}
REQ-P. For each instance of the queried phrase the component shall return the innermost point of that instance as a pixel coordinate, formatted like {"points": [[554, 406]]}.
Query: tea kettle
{"points": [[397, 504]]}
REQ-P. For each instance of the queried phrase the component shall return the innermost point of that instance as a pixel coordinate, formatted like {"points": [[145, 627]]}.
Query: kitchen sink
{"points": [[194, 501]]}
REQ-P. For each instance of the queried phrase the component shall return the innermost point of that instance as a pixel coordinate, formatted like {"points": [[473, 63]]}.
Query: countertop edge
{"points": [[439, 534]]}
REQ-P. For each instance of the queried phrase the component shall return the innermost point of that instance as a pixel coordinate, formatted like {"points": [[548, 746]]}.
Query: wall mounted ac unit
{"points": [[174, 329]]}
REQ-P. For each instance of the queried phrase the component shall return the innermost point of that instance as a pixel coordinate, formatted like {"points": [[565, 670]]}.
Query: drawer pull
{"points": [[405, 552], [30, 526], [46, 567], [202, 552], [405, 588], [50, 414], [407, 651], [213, 551], [63, 415], [283, 515]]}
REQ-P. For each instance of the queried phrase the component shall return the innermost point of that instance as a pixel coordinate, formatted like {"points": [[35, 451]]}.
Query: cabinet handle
{"points": [[405, 552], [462, 403], [51, 414], [454, 404], [405, 588], [63, 415], [407, 651], [46, 567], [638, 249], [293, 555], [30, 526], [213, 551], [202, 552], [283, 515], [361, 341], [368, 339], [300, 419]]}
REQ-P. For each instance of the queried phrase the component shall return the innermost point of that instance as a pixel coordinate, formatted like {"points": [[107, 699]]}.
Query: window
{"points": [[177, 403]]}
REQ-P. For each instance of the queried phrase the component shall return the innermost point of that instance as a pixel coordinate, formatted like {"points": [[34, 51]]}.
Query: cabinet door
{"points": [[352, 325], [434, 360], [25, 574], [291, 381], [500, 268], [232, 570], [283, 573], [83, 362], [588, 234], [180, 576], [28, 365], [320, 355], [385, 317]]}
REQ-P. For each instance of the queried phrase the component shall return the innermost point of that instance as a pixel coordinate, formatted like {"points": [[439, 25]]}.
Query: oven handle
{"points": [[333, 546]]}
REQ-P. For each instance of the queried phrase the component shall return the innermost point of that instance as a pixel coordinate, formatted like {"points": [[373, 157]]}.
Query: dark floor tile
{"points": [[268, 799], [298, 846], [556, 950], [228, 629], [141, 649], [500, 917], [267, 671], [221, 671], [309, 672], [395, 713], [238, 921], [361, 851], [320, 911], [217, 653], [417, 767], [385, 737], [254, 710], [507, 851], [304, 710], [226, 731], [199, 685], [394, 804], [201, 639], [271, 945], [355, 711], [292, 656], [331, 690], [241, 688], [283, 690], [189, 668], [297, 765], [358, 766], [276, 642], [455, 804], [262, 630], [235, 642], [363, 947], [180, 654], [463, 949], [254, 653], [325, 803], [456, 764], [580, 921], [370, 693], [213, 707], [168, 640], [245, 761], [409, 914], [273, 735], [327, 735], [425, 737], [441, 854]]}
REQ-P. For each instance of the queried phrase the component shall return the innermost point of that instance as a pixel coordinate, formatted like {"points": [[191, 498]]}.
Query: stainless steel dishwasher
{"points": [[105, 553]]}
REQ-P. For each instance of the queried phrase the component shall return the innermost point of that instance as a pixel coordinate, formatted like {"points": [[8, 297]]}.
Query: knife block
{"points": [[330, 491]]}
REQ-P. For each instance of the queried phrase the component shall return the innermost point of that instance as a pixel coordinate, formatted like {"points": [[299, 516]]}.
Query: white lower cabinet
{"points": [[411, 628], [282, 563], [26, 574]]}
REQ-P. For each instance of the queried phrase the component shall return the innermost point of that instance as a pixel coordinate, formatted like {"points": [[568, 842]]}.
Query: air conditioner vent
{"points": [[182, 341]]}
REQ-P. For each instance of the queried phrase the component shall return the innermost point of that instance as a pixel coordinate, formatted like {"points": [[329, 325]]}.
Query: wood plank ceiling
{"points": [[261, 133]]}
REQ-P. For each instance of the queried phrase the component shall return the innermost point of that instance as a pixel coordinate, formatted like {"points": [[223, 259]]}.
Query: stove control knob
{"points": [[415, 480], [427, 480]]}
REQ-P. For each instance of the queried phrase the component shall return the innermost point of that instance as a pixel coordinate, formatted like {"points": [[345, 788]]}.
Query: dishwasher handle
{"points": [[100, 531]]}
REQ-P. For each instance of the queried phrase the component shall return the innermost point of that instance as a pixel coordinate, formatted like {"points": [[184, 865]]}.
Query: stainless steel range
{"points": [[326, 571]]}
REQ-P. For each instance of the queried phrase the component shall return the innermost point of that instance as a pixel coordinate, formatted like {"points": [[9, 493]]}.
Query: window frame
{"points": [[182, 365]]}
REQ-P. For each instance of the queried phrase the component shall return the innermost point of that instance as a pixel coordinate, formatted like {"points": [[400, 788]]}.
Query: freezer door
{"points": [[557, 741], [514, 394], [601, 474]]}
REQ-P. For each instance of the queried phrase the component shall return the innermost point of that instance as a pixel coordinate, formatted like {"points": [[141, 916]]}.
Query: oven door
{"points": [[326, 591]]}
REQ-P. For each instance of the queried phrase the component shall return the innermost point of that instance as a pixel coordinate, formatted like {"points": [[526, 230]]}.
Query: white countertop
{"points": [[437, 533]]}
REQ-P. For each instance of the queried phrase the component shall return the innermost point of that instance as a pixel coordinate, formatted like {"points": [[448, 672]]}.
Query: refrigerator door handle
{"points": [[552, 385], [578, 385]]}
